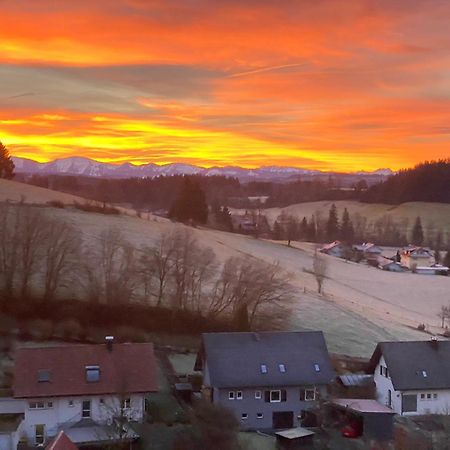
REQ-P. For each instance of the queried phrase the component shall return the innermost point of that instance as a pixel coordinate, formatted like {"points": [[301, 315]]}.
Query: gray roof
{"points": [[406, 362], [235, 359], [353, 379]]}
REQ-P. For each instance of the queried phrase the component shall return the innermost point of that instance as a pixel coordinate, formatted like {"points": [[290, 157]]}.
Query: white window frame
{"points": [[279, 396], [264, 369], [258, 395], [239, 395], [244, 416], [259, 415], [126, 403], [34, 405], [231, 395], [83, 409], [307, 391], [317, 367], [282, 368]]}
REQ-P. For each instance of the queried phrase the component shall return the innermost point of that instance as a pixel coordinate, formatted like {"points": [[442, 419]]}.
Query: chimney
{"points": [[109, 340], [434, 342]]}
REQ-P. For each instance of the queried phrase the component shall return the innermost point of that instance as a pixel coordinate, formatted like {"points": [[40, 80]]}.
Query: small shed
{"points": [[294, 438], [376, 419]]}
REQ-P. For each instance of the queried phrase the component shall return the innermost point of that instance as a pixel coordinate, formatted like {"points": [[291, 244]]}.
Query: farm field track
{"points": [[361, 305]]}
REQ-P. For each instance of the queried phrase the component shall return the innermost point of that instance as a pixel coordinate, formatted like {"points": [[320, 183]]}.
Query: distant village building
{"points": [[413, 257], [91, 392], [413, 378], [390, 265], [270, 379], [336, 248], [367, 250]]}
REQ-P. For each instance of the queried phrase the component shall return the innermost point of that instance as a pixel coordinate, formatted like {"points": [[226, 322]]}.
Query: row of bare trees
{"points": [[41, 256]]}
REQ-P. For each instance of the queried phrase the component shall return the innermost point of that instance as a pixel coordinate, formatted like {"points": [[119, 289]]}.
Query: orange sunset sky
{"points": [[320, 84]]}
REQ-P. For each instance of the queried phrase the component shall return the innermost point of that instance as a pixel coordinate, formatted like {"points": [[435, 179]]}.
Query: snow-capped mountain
{"points": [[90, 168]]}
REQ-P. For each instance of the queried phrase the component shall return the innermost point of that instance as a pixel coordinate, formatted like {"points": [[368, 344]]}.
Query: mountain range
{"points": [[87, 167]]}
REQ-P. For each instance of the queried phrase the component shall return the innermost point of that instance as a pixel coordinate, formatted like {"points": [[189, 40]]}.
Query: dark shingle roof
{"points": [[406, 362], [128, 368], [235, 359]]}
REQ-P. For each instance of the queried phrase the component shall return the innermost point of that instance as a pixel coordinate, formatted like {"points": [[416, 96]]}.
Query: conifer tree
{"points": [[347, 230], [6, 163], [190, 203], [417, 232], [332, 228]]}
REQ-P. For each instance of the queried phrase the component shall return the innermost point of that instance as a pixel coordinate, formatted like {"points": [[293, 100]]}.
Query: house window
{"points": [[231, 395], [308, 394], [43, 376], [422, 396], [239, 395], [39, 434], [263, 368], [86, 409], [126, 403], [428, 396], [49, 404], [36, 405], [259, 415], [317, 367], [92, 374], [434, 396], [244, 416], [71, 403], [275, 396], [102, 401], [258, 395], [282, 368]]}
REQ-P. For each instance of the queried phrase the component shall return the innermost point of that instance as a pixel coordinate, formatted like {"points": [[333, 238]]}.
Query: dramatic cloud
{"points": [[329, 84]]}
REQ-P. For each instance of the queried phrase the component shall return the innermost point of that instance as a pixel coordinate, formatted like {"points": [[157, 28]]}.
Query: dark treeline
{"points": [[162, 192], [426, 182]]}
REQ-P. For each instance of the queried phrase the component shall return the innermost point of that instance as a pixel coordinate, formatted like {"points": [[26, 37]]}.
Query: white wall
{"points": [[440, 405], [383, 385], [10, 405], [63, 414]]}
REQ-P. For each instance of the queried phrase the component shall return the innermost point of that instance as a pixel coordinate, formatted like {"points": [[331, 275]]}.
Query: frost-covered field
{"points": [[361, 306]]}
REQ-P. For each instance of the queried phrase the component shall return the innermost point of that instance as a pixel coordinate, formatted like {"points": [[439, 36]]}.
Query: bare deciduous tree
{"points": [[9, 243], [320, 269], [251, 284], [61, 256], [32, 225]]}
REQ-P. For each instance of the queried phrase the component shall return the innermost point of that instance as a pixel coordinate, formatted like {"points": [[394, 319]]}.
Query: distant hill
{"points": [[90, 168], [426, 182]]}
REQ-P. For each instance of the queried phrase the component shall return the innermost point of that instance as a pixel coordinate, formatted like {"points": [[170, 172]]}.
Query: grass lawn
{"points": [[254, 441]]}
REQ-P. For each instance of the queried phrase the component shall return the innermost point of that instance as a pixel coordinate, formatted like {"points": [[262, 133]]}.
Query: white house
{"points": [[91, 392], [413, 378], [413, 257]]}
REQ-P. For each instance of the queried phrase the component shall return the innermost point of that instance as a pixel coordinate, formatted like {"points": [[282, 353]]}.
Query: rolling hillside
{"points": [[362, 305], [435, 216]]}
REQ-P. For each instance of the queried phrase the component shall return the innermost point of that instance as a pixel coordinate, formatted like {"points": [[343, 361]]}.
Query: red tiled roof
{"points": [[128, 368], [61, 442]]}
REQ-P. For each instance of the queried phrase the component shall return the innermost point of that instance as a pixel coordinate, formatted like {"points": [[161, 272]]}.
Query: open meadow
{"points": [[361, 305]]}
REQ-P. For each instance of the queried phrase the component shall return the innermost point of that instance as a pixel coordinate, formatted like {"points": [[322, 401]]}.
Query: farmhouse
{"points": [[336, 248], [413, 257], [413, 378], [367, 250], [92, 392], [269, 380]]}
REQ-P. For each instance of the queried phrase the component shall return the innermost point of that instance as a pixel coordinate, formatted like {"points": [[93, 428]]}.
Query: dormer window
{"points": [[92, 374], [317, 367], [282, 368], [43, 376], [263, 368]]}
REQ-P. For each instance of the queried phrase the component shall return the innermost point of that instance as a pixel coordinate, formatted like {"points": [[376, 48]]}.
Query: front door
{"points": [[283, 419]]}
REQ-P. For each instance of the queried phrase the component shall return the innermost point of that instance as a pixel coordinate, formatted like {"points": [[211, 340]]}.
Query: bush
{"points": [[69, 329], [40, 329], [56, 204], [96, 208]]}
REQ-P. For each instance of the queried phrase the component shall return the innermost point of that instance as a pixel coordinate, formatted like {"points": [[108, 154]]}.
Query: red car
{"points": [[353, 430]]}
